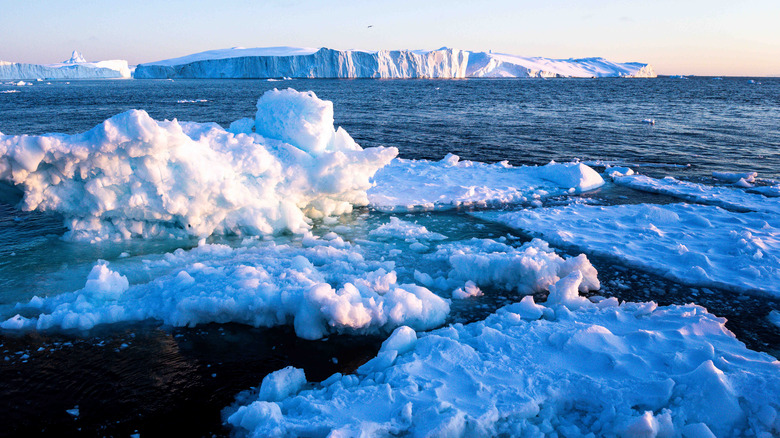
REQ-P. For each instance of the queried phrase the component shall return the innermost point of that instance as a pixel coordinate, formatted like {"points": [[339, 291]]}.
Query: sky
{"points": [[716, 37]]}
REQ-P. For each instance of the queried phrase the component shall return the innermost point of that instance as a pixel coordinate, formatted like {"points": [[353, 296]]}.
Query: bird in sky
{"points": [[370, 26]]}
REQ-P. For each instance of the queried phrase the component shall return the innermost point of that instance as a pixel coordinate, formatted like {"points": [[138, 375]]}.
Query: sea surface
{"points": [[149, 379]]}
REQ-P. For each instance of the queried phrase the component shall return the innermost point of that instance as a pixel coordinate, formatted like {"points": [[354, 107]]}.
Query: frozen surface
{"points": [[74, 68], [278, 62], [569, 369], [531, 267], [726, 197], [695, 244], [451, 182], [132, 176], [319, 287]]}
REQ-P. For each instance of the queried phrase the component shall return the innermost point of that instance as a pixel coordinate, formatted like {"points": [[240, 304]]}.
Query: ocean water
{"points": [[154, 379]]}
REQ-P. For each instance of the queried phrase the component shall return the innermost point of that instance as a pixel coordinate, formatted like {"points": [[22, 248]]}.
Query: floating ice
{"points": [[735, 177], [277, 62], [532, 267], [324, 286], [74, 68], [694, 244], [449, 183], [133, 176], [605, 370], [725, 197]]}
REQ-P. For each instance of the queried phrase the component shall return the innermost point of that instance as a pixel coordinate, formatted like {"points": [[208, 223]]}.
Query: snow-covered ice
{"points": [[531, 267], [426, 185], [318, 287], [134, 176], [573, 368], [74, 68], [694, 244], [286, 62], [726, 197]]}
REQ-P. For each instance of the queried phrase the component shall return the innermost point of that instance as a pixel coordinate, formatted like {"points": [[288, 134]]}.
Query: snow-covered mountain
{"points": [[74, 68], [276, 62]]}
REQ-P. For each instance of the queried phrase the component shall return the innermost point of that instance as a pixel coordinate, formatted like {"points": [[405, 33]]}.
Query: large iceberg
{"points": [[74, 68], [276, 62]]}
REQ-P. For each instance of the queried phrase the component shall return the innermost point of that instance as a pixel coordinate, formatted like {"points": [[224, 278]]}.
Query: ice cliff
{"points": [[277, 62], [74, 68]]}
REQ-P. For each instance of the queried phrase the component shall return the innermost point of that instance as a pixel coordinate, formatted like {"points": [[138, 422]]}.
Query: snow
{"points": [[318, 287], [426, 185], [528, 268], [74, 68], [282, 62], [725, 197], [633, 369], [695, 244], [132, 176]]}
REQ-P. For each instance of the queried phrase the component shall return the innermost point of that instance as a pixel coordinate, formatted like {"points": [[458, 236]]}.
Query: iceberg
{"points": [[132, 176], [293, 62], [74, 68]]}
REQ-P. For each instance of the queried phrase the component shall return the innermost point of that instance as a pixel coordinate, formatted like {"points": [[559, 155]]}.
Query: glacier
{"points": [[445, 63], [74, 68]]}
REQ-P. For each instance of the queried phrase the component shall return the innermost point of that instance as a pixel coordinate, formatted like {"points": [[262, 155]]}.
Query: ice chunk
{"points": [[133, 176], [530, 268], [282, 384]]}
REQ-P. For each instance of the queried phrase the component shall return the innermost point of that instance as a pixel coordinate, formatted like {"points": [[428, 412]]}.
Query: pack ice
{"points": [[295, 62], [570, 367], [74, 68]]}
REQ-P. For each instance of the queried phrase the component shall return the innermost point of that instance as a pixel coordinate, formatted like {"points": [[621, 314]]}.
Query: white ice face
{"points": [[132, 176]]}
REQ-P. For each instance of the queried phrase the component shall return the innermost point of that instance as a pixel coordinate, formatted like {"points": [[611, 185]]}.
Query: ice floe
{"points": [[573, 368], [319, 287], [134, 176], [449, 183], [531, 267], [695, 244], [726, 197]]}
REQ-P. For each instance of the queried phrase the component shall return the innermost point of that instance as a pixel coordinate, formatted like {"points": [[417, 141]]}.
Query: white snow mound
{"points": [[134, 176]]}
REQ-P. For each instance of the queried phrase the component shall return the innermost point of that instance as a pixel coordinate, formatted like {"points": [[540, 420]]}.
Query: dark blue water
{"points": [[723, 125], [158, 380]]}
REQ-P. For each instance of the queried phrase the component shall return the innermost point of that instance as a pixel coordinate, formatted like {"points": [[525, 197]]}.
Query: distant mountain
{"points": [[294, 62], [74, 68]]}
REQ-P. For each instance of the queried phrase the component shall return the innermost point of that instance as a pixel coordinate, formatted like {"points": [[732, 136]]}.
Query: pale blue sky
{"points": [[714, 37]]}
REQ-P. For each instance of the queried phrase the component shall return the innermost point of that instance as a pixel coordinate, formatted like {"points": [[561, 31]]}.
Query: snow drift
{"points": [[134, 176], [277, 62], [74, 68]]}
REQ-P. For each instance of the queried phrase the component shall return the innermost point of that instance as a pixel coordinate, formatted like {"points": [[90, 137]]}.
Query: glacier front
{"points": [[74, 68], [446, 63]]}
